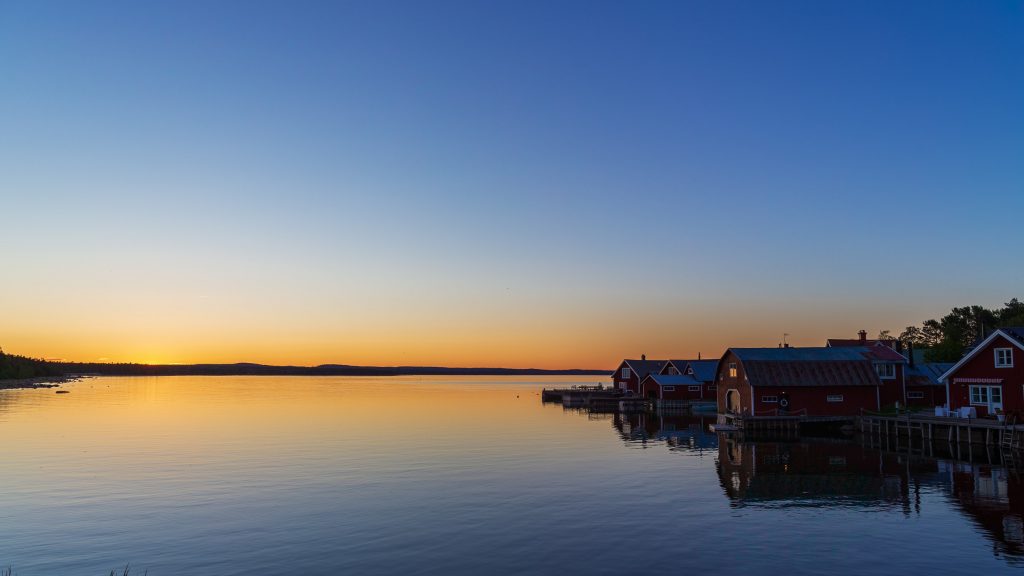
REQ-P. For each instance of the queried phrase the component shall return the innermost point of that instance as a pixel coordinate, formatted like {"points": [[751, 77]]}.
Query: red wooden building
{"points": [[702, 370], [630, 373], [890, 364], [991, 376], [830, 381], [672, 387]]}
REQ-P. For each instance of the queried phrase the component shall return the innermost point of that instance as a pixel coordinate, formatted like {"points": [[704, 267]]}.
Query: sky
{"points": [[520, 184]]}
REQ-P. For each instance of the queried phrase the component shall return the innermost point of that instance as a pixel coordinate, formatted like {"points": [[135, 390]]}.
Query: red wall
{"points": [[681, 392], [632, 383], [813, 399], [983, 365]]}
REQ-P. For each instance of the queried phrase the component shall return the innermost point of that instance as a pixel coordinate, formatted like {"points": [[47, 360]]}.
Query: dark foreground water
{"points": [[276, 475]]}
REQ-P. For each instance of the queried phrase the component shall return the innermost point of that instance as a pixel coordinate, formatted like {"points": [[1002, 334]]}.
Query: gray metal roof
{"points": [[926, 373], [704, 370], [785, 367], [673, 379], [644, 367]]}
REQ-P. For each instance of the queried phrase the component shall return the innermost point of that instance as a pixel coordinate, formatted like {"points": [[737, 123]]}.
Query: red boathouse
{"points": [[630, 373], [836, 381]]}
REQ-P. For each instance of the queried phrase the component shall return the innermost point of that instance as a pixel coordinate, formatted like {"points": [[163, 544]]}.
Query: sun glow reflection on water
{"points": [[450, 475]]}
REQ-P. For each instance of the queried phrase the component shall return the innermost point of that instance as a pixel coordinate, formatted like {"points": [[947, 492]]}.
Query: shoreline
{"points": [[38, 382]]}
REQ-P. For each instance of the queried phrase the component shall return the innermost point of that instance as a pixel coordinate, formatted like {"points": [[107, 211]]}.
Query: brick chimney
{"points": [[643, 357], [863, 336]]}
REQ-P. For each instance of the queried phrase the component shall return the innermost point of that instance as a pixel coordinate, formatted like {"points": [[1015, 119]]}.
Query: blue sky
{"points": [[327, 181]]}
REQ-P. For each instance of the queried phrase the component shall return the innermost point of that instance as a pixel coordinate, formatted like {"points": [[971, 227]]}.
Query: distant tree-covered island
{"points": [[24, 370]]}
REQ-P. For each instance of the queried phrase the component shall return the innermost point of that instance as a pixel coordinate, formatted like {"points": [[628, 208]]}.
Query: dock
{"points": [[951, 429]]}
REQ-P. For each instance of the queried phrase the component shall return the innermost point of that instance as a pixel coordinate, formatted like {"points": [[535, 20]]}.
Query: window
{"points": [[672, 371], [732, 369], [712, 388], [979, 395], [690, 371], [769, 399], [985, 395], [669, 389], [834, 398], [1004, 357], [625, 373], [915, 395], [886, 371], [693, 388]]}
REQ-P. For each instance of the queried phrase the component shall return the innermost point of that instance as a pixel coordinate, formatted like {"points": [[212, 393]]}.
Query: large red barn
{"points": [[839, 381]]}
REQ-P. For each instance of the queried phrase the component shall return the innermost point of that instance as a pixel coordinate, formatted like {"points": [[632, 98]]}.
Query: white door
{"points": [[995, 399]]}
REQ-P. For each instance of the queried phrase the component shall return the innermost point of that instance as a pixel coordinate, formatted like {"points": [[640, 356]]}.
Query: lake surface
{"points": [[472, 475]]}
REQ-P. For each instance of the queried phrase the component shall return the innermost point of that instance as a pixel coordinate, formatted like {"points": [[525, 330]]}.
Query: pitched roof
{"points": [[644, 367], [701, 368], [926, 373], [1014, 334], [704, 370], [827, 366], [673, 379]]}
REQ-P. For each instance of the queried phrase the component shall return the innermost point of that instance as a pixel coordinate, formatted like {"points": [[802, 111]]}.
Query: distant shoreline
{"points": [[247, 369], [40, 382]]}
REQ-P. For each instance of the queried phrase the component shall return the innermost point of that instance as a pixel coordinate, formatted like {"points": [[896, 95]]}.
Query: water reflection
{"points": [[823, 473], [678, 431]]}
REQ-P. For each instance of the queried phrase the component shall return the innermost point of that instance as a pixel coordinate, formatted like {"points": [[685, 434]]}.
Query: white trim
{"points": [[979, 348], [769, 399], [668, 388], [995, 353], [834, 398], [690, 388]]}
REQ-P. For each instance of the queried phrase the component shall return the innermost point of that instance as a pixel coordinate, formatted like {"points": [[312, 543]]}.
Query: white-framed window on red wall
{"points": [[1004, 357]]}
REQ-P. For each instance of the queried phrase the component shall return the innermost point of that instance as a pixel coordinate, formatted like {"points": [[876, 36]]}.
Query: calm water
{"points": [[213, 475]]}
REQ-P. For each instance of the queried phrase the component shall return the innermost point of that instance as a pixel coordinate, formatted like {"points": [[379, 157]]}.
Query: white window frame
{"points": [[888, 369], [624, 374], [693, 388], [769, 399], [985, 397], [1009, 352], [915, 395], [732, 370], [669, 389], [834, 398], [712, 388]]}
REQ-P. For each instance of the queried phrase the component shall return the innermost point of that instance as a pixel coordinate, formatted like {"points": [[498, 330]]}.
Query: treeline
{"points": [[13, 367], [948, 337], [246, 369]]}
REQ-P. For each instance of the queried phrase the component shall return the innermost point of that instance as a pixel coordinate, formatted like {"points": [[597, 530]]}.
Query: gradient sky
{"points": [[547, 184]]}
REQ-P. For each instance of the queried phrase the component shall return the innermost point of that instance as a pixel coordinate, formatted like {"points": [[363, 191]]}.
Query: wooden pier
{"points": [[954, 430], [783, 423]]}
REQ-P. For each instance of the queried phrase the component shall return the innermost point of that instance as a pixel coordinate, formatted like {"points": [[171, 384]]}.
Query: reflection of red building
{"points": [[678, 431], [991, 376], [994, 499], [815, 473]]}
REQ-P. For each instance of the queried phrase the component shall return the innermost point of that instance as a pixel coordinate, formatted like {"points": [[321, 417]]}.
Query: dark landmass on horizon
{"points": [[22, 368], [250, 369]]}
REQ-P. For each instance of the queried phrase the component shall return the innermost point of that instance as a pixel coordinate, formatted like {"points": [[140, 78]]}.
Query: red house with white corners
{"points": [[630, 373], [672, 388], [991, 376], [890, 364]]}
